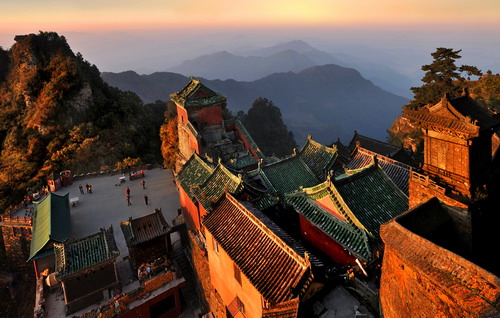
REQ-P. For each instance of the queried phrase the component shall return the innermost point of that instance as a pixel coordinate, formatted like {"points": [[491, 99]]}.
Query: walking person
{"points": [[128, 200], [143, 183], [87, 186], [127, 191], [81, 189], [90, 188], [146, 199]]}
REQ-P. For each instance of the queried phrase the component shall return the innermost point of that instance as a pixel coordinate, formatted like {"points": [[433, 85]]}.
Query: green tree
{"points": [[265, 124], [441, 76]]}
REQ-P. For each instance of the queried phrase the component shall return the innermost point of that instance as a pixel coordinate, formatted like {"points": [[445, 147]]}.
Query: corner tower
{"points": [[457, 150], [199, 110]]}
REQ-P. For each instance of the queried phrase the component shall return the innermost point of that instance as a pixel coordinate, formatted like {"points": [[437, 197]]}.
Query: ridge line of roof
{"points": [[268, 231]]}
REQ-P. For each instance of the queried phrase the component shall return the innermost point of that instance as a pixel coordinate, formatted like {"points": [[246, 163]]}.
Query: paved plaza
{"points": [[107, 205]]}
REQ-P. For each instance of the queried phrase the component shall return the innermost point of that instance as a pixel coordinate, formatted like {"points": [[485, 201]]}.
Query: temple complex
{"points": [[203, 130]]}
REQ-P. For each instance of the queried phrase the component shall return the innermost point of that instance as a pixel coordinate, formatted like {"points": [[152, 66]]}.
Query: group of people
{"points": [[88, 186], [127, 192]]}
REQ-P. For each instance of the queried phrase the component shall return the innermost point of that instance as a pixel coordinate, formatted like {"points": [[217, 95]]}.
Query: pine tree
{"points": [[442, 76]]}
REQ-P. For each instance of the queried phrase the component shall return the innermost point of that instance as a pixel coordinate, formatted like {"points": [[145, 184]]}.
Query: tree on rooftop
{"points": [[441, 76]]}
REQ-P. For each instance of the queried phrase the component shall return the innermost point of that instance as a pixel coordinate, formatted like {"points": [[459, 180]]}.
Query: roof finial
{"points": [[294, 152], [465, 91]]}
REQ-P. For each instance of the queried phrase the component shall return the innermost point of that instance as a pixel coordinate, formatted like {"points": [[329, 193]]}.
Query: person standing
{"points": [[128, 200], [146, 199], [143, 183], [87, 186], [90, 188], [127, 191], [81, 189]]}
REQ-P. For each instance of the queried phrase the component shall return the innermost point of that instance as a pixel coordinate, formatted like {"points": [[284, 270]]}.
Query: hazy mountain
{"points": [[292, 56], [327, 101], [316, 56], [224, 65]]}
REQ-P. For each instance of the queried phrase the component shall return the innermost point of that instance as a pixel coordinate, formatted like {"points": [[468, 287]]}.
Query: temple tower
{"points": [[457, 150], [199, 111]]}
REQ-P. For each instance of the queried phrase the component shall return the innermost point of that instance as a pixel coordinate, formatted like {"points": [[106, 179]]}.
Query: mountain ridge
{"points": [[327, 101]]}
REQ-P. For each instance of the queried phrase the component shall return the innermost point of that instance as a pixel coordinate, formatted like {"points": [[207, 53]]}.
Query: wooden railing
{"points": [[415, 176]]}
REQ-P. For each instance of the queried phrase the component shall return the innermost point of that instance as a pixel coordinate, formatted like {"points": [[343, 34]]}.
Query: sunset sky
{"points": [[153, 35], [73, 15]]}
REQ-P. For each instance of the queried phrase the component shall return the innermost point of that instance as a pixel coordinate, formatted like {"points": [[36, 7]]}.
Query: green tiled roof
{"points": [[144, 228], [217, 183], [197, 94], [73, 257], [242, 162], [194, 172], [265, 201], [318, 158], [52, 221], [249, 138], [352, 238], [372, 197], [288, 175]]}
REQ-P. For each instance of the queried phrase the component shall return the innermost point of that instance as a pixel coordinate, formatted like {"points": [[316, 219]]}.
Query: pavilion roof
{"points": [[349, 236], [52, 221], [272, 267], [288, 175], [398, 172], [219, 181], [376, 146], [194, 172], [145, 228], [318, 158], [195, 94], [76, 256], [372, 197]]}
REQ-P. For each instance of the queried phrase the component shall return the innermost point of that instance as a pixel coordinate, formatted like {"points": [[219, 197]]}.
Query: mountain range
{"points": [[292, 56], [327, 101]]}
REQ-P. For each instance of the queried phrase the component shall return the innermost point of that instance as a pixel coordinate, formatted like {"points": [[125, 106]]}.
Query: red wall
{"points": [[144, 310], [189, 209], [247, 145], [208, 116], [324, 243]]}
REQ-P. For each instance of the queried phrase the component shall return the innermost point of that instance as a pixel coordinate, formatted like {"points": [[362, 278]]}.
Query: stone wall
{"points": [[421, 279], [16, 239], [202, 271], [421, 191]]}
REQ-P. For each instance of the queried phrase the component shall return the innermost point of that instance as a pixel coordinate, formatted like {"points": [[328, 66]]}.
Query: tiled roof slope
{"points": [[144, 228], [272, 267], [290, 241], [286, 309], [318, 158], [194, 172], [473, 288], [197, 94], [213, 188], [249, 138], [76, 256], [52, 221], [372, 197], [374, 145], [350, 237], [448, 123], [397, 171], [288, 175]]}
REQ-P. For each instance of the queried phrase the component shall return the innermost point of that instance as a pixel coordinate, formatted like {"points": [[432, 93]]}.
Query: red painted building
{"points": [[255, 273]]}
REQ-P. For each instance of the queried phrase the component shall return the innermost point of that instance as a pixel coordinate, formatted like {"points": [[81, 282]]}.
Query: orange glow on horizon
{"points": [[126, 14]]}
